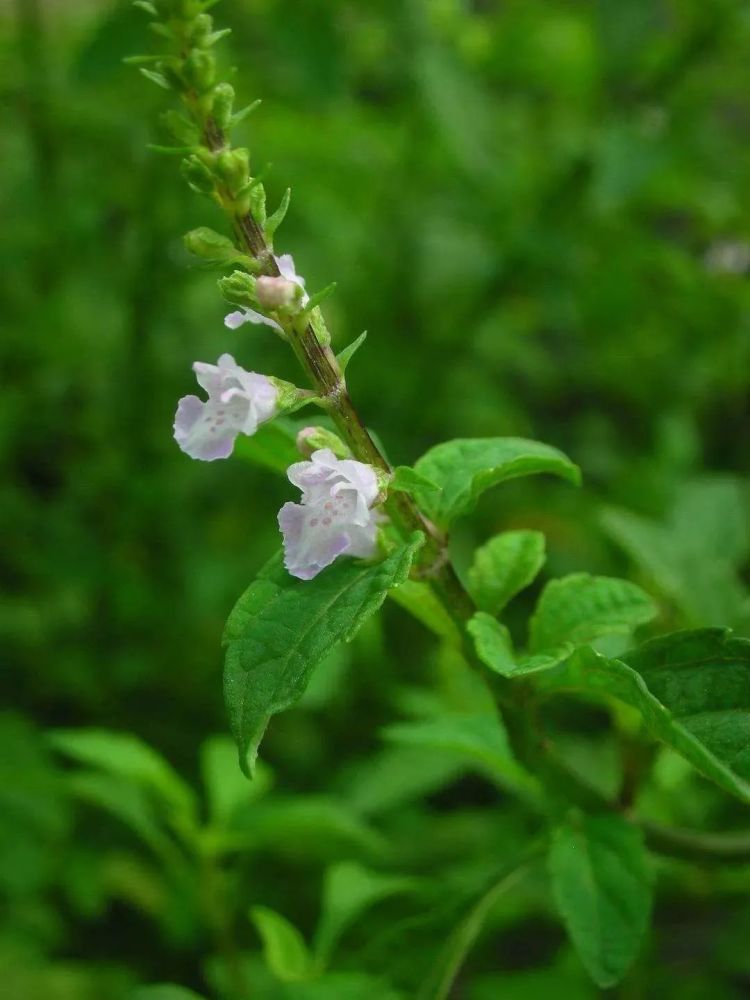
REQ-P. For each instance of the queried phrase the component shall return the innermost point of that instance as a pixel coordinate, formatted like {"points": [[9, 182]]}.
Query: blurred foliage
{"points": [[539, 211]]}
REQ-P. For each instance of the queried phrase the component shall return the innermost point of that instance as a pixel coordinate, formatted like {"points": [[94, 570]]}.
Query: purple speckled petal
{"points": [[201, 433]]}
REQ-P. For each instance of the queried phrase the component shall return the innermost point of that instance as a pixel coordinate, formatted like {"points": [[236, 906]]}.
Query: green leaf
{"points": [[128, 757], [711, 515], [579, 608], [282, 627], [494, 648], [124, 800], [452, 956], [276, 218], [589, 672], [703, 678], [602, 886], [243, 113], [407, 480], [348, 890], [419, 600], [273, 446], [284, 948], [158, 78], [465, 468], [319, 297], [227, 789], [163, 991], [478, 737], [504, 566], [348, 353]]}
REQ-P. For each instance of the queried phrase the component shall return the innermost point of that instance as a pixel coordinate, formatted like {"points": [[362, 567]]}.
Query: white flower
{"points": [[335, 516], [238, 401], [285, 264]]}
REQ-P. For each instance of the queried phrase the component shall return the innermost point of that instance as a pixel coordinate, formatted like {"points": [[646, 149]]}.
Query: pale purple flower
{"points": [[238, 401], [335, 516], [285, 264]]}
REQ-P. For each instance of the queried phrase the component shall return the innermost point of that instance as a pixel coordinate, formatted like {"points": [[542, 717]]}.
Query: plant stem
{"points": [[320, 364]]}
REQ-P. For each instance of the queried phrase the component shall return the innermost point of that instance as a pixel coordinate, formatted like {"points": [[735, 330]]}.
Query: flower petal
{"points": [[202, 432]]}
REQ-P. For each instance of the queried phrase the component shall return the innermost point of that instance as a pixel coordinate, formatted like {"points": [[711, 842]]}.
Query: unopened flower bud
{"points": [[223, 103], [311, 439], [198, 175], [200, 69], [238, 288], [233, 166], [276, 293], [201, 27], [211, 246]]}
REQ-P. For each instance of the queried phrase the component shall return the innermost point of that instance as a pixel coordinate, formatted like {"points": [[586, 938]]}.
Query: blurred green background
{"points": [[538, 209]]}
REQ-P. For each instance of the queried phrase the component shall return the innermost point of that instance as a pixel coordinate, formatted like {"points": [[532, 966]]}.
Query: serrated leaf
{"points": [[284, 948], [282, 627], [349, 890], [703, 678], [503, 566], [580, 607], [348, 352], [587, 671], [602, 886], [478, 737], [125, 755], [465, 468], [494, 648]]}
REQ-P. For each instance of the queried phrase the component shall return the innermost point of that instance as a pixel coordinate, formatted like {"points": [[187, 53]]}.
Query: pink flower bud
{"points": [[274, 293]]}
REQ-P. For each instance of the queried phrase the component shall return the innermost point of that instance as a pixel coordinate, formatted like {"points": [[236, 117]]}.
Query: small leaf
{"points": [[127, 756], [346, 355], [145, 5], [274, 221], [579, 608], [495, 649], [504, 566], [420, 600], [348, 890], [284, 948], [407, 480], [243, 113], [465, 468], [602, 885], [724, 761], [281, 628], [479, 737], [215, 36], [227, 789], [319, 297], [158, 78]]}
